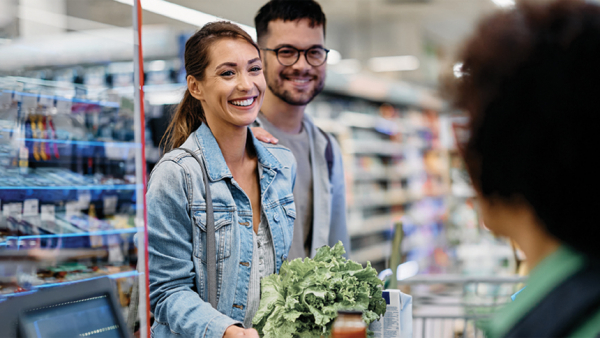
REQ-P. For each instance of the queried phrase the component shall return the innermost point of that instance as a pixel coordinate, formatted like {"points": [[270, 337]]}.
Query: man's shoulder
{"points": [[275, 147], [281, 153]]}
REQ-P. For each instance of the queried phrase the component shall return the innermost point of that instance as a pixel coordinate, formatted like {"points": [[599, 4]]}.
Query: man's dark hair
{"points": [[531, 86], [288, 10]]}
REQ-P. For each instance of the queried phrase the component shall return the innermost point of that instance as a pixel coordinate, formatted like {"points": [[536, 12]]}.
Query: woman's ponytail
{"points": [[187, 118]]}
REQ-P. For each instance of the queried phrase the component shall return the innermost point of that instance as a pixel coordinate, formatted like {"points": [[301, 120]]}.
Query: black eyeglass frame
{"points": [[276, 50]]}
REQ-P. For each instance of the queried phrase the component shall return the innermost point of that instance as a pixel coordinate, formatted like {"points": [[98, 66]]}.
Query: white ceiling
{"points": [[359, 29]]}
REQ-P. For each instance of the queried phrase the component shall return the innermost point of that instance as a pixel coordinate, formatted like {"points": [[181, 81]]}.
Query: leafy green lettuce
{"points": [[303, 300]]}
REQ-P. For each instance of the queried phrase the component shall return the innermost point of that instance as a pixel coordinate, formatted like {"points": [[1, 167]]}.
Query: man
{"points": [[291, 35]]}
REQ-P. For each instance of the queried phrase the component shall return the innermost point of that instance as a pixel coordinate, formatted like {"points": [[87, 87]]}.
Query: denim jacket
{"points": [[177, 234]]}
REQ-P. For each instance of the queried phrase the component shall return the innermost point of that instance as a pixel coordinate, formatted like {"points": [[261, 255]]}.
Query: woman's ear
{"points": [[195, 88]]}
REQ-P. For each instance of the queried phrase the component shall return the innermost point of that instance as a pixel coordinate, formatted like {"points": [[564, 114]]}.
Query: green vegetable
{"points": [[303, 300]]}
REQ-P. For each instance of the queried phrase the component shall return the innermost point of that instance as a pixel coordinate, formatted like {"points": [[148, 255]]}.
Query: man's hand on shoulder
{"points": [[236, 331], [264, 136]]}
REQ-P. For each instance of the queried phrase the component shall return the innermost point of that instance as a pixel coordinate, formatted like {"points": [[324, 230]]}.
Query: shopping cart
{"points": [[453, 306]]}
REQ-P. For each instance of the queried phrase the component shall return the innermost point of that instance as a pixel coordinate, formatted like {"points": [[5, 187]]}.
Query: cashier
{"points": [[530, 83]]}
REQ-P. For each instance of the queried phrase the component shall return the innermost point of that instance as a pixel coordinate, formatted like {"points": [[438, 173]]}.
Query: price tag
{"points": [[14, 210], [23, 153], [5, 98], [72, 208], [28, 101], [46, 101], [31, 207], [84, 198], [110, 205], [64, 106], [17, 208], [48, 212], [115, 254]]}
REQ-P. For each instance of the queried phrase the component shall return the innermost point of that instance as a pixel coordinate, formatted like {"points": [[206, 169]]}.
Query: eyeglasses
{"points": [[288, 55]]}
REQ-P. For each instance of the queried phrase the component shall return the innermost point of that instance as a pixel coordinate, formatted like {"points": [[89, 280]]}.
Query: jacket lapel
{"points": [[321, 187]]}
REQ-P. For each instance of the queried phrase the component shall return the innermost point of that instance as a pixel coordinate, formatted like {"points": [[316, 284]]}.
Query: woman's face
{"points": [[233, 87]]}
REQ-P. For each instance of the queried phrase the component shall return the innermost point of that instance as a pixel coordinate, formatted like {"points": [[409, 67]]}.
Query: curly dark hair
{"points": [[531, 86], [288, 10]]}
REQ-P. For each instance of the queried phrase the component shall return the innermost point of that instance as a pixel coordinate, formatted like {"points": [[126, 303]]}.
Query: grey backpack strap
{"points": [[211, 250]]}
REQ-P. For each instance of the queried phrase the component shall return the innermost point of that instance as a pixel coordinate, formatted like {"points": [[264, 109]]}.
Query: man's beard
{"points": [[288, 98]]}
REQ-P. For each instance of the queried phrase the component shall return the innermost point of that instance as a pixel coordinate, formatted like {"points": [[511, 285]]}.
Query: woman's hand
{"points": [[236, 331], [263, 135]]}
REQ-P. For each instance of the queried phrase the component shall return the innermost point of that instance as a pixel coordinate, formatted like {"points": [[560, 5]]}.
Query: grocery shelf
{"points": [[370, 175], [34, 288], [386, 148], [59, 98], [14, 242], [387, 174], [77, 187], [115, 144], [83, 233], [383, 199], [367, 226], [126, 274], [330, 126], [373, 253]]}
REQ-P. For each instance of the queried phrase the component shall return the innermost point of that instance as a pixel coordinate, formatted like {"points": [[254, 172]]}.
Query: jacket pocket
{"points": [[289, 213], [223, 223]]}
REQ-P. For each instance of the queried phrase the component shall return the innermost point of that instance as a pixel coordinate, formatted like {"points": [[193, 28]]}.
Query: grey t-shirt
{"points": [[263, 265], [303, 189]]}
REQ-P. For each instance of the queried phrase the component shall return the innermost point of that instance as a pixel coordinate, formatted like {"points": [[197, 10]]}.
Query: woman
{"points": [[251, 186], [531, 84]]}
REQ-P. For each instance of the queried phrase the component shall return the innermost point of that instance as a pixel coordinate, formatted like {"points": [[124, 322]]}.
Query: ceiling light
{"points": [[333, 57], [347, 66], [183, 14], [504, 3], [457, 69], [156, 66], [393, 63]]}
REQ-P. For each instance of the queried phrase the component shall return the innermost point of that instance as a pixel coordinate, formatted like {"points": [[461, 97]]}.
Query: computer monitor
{"points": [[81, 309]]}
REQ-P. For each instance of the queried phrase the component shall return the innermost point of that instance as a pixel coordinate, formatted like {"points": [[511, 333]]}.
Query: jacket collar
{"points": [[216, 166]]}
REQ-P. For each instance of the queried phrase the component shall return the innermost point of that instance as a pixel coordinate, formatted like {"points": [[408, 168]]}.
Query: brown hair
{"points": [[189, 114], [288, 10]]}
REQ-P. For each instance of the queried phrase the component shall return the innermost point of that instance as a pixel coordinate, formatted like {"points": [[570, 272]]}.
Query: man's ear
{"points": [[195, 88]]}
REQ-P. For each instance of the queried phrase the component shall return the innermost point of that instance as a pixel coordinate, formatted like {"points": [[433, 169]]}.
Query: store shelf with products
{"points": [[68, 187], [387, 152]]}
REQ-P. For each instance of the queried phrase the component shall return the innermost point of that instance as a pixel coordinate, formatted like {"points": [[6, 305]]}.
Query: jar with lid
{"points": [[349, 324]]}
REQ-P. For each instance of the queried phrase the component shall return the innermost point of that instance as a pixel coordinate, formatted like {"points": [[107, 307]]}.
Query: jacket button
{"points": [[245, 263], [241, 307], [244, 223], [276, 218]]}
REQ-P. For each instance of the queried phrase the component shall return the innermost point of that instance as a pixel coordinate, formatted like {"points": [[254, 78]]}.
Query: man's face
{"points": [[300, 83]]}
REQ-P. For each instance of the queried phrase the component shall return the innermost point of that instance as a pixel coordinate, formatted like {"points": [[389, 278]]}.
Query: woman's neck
{"points": [[232, 141]]}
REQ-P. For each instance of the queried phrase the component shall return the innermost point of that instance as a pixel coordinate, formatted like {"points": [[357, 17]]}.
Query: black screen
{"points": [[89, 317]]}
